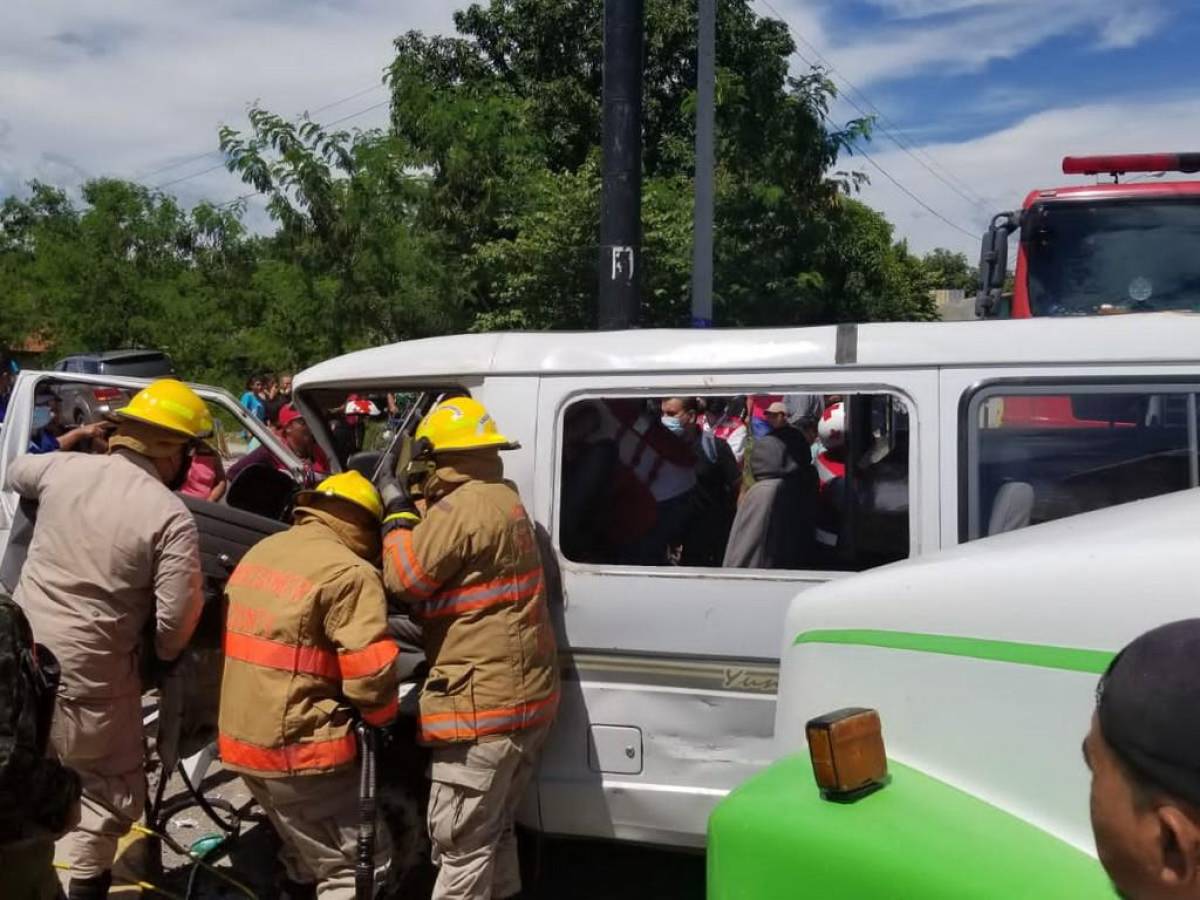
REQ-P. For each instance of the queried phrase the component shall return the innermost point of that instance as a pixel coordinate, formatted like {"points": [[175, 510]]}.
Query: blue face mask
{"points": [[41, 418], [672, 424]]}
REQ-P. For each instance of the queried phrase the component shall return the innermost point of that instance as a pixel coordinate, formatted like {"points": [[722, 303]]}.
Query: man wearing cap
{"points": [[471, 572], [114, 550], [306, 654], [1143, 750], [299, 439]]}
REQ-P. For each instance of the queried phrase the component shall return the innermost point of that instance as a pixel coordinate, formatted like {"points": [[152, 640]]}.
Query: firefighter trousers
{"points": [[473, 803], [316, 817], [102, 741]]}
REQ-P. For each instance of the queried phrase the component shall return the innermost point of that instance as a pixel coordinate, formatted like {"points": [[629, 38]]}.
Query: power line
{"points": [[894, 132], [221, 165], [857, 148], [212, 153]]}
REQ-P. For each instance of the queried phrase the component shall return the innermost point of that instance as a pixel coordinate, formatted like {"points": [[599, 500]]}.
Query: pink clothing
{"points": [[204, 475]]}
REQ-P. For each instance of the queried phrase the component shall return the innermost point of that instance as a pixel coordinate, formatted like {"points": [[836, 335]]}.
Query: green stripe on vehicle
{"points": [[1046, 656]]}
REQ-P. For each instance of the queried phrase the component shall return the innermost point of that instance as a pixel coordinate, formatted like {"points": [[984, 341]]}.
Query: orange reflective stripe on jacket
{"points": [[277, 655], [291, 758], [508, 589], [369, 660], [413, 578], [461, 727], [384, 715]]}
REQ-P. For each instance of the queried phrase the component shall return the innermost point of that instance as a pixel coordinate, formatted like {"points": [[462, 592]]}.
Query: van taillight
{"points": [[106, 395]]}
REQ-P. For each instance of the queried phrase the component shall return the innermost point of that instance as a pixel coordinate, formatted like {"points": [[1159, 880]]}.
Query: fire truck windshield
{"points": [[1120, 255]]}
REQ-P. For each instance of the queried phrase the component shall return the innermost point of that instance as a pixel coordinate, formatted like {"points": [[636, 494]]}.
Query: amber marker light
{"points": [[846, 747]]}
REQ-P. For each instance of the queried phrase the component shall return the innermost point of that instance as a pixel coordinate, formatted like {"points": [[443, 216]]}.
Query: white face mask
{"points": [[672, 424]]}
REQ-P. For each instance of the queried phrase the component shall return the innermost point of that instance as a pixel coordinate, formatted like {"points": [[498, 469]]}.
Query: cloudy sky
{"points": [[985, 96]]}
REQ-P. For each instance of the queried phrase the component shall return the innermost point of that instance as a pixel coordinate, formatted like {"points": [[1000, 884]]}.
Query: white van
{"points": [[955, 431]]}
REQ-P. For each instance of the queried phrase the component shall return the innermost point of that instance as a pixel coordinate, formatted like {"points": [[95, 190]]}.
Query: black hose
{"points": [[205, 806], [364, 874]]}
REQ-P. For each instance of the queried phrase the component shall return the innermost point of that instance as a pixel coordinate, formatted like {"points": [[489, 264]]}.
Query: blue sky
{"points": [[995, 92], [991, 93]]}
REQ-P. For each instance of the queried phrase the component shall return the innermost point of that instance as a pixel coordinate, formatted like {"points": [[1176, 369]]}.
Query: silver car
{"points": [[81, 403]]}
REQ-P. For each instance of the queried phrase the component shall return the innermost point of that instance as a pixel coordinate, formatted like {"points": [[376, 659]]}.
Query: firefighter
{"points": [[114, 551], [471, 573], [306, 652]]}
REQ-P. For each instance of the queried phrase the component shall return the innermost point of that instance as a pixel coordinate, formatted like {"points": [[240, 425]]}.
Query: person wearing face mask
{"points": [[115, 555], [709, 506], [42, 438]]}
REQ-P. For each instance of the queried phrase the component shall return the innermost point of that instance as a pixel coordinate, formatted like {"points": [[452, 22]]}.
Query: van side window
{"points": [[762, 481], [1036, 454]]}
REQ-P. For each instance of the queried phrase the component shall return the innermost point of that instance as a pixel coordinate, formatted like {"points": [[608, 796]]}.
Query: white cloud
{"points": [[1002, 167], [949, 36], [129, 86]]}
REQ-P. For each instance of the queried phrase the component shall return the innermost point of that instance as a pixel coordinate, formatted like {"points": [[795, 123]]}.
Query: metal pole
{"points": [[702, 241], [621, 165]]}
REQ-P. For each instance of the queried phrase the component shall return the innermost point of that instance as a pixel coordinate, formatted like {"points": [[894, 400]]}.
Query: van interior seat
{"points": [[1012, 508]]}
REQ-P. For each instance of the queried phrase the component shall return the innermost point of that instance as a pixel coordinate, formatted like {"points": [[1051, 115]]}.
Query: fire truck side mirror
{"points": [[993, 263]]}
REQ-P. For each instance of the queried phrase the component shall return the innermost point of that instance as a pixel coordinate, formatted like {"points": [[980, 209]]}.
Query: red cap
{"points": [[287, 415]]}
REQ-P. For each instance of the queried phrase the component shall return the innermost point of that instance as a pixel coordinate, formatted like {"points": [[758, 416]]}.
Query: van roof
{"points": [[1143, 337]]}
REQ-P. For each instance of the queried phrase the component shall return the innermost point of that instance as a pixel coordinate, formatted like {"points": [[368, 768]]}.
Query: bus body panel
{"points": [[775, 838]]}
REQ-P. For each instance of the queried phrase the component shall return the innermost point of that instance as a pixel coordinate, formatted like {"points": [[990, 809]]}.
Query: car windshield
{"points": [[1116, 256]]}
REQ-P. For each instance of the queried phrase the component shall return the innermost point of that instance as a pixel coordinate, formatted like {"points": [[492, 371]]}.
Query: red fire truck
{"points": [[1099, 249]]}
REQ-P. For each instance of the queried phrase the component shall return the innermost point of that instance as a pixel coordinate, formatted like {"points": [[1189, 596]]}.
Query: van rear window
{"points": [[758, 481], [1036, 454]]}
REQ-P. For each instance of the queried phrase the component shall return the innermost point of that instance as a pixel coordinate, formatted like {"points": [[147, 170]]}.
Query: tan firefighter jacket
{"points": [[472, 573], [305, 639], [113, 551]]}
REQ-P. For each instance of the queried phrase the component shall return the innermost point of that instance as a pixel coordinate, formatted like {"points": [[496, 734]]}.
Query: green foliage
{"points": [[951, 271], [477, 208]]}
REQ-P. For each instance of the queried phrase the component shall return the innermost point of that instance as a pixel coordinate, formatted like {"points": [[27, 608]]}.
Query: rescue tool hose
{"points": [[364, 874]]}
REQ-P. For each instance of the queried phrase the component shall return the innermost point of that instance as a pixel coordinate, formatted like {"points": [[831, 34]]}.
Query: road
{"points": [[554, 868]]}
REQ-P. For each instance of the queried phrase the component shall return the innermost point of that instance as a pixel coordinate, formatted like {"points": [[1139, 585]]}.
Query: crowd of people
{"points": [[739, 482], [310, 661]]}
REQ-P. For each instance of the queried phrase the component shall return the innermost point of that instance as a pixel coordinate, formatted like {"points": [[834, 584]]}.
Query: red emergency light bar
{"points": [[1131, 162]]}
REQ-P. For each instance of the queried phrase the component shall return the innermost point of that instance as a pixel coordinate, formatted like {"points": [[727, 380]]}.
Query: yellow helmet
{"points": [[461, 423], [170, 405], [351, 486]]}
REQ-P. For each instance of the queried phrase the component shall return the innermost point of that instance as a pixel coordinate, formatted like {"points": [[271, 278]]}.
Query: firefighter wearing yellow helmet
{"points": [[114, 552], [307, 651], [470, 572]]}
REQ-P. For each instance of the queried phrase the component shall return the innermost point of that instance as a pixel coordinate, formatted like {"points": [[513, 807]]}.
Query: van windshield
{"points": [[1088, 258]]}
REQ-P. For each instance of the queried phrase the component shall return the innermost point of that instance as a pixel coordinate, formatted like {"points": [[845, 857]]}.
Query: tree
{"points": [[505, 118], [347, 266], [950, 271]]}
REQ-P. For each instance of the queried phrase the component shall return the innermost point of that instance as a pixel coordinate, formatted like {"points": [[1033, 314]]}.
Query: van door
{"points": [[671, 668], [32, 387]]}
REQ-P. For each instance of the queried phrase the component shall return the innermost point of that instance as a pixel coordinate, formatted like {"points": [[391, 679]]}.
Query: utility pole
{"points": [[702, 217], [621, 165]]}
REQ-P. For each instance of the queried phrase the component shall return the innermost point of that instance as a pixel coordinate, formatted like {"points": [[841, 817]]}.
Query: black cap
{"points": [[1148, 705]]}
